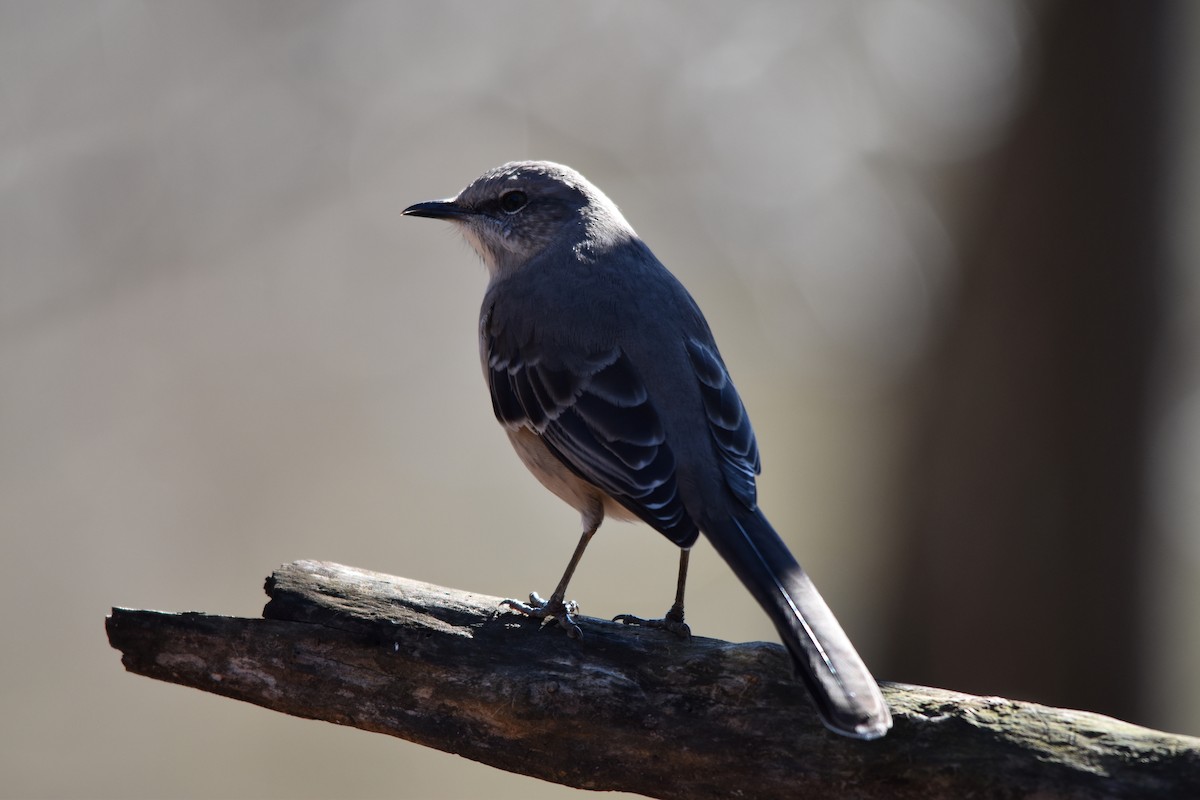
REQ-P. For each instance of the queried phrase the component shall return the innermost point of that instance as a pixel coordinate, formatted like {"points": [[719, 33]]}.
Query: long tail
{"points": [[846, 695]]}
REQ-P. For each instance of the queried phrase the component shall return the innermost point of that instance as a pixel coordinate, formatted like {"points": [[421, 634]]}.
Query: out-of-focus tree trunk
{"points": [[1022, 570]]}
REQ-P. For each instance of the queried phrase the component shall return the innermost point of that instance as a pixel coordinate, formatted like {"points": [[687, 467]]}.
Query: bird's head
{"points": [[514, 213]]}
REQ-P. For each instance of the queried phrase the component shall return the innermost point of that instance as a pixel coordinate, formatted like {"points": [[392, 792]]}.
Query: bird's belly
{"points": [[555, 476]]}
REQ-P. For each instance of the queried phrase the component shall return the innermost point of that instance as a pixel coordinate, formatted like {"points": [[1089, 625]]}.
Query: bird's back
{"points": [[563, 310]]}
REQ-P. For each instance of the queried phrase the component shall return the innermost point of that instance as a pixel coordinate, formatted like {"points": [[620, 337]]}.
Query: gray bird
{"points": [[607, 380]]}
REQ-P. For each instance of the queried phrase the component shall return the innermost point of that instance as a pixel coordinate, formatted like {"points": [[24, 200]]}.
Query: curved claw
{"points": [[547, 610]]}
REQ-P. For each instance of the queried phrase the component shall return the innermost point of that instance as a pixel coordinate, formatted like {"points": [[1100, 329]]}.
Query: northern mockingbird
{"points": [[607, 380]]}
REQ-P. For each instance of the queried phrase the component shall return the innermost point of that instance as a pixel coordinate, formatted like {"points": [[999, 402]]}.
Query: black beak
{"points": [[436, 209]]}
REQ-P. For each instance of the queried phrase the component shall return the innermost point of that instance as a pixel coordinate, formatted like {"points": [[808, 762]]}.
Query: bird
{"points": [[608, 382]]}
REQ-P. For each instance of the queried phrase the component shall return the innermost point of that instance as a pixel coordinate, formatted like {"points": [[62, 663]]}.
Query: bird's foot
{"points": [[672, 622], [546, 610]]}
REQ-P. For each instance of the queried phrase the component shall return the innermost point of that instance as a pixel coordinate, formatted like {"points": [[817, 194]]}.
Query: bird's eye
{"points": [[512, 202]]}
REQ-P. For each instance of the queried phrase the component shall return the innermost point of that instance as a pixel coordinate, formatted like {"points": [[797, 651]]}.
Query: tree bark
{"points": [[624, 708]]}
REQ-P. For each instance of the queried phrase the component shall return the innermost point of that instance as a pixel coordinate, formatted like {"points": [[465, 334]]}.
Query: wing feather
{"points": [[596, 417], [728, 423]]}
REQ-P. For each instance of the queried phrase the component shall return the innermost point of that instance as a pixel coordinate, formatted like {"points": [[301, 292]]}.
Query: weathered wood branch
{"points": [[624, 708]]}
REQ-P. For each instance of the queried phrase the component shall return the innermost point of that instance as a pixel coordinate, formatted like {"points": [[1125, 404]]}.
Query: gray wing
{"points": [[596, 417], [727, 422]]}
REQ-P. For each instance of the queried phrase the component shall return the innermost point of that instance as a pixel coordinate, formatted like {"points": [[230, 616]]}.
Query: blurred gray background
{"points": [[948, 249]]}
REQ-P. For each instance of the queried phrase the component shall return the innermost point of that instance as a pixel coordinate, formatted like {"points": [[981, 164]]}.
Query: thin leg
{"points": [[561, 590], [676, 612], [557, 608], [673, 620]]}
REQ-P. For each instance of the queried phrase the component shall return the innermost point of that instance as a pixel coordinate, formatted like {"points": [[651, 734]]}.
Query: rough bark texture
{"points": [[624, 708]]}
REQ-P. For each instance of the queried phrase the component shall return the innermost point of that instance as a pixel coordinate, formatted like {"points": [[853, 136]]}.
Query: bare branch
{"points": [[624, 709]]}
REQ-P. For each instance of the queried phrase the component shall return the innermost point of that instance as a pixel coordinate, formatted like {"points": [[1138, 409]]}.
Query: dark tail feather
{"points": [[846, 695]]}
